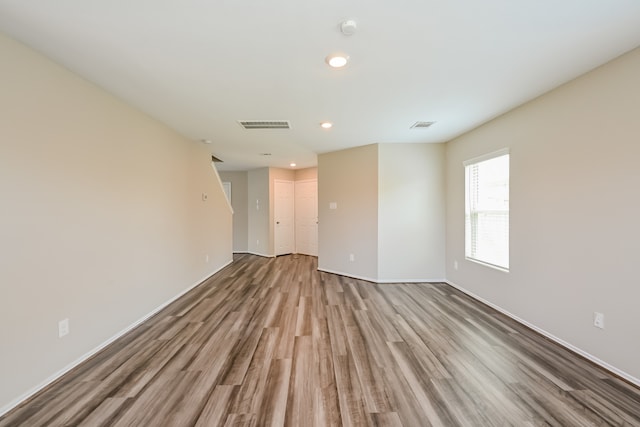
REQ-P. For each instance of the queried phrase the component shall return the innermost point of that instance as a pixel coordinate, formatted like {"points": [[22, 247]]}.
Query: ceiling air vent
{"points": [[421, 125], [265, 124]]}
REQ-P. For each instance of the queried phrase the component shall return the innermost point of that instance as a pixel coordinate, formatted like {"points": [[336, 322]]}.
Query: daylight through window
{"points": [[487, 210]]}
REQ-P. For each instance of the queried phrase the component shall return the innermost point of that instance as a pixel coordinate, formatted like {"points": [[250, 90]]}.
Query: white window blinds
{"points": [[487, 210]]}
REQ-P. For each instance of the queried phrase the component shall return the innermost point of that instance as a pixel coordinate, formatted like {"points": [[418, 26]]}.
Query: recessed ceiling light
{"points": [[326, 125], [293, 165], [337, 60]]}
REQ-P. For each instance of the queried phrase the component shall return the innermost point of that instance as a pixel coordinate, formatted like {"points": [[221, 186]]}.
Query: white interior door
{"points": [[283, 212], [306, 208]]}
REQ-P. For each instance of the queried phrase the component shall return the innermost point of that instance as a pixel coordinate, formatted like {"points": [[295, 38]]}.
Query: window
{"points": [[487, 209]]}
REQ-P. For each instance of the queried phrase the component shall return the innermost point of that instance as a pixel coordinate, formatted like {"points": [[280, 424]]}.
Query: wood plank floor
{"points": [[275, 342]]}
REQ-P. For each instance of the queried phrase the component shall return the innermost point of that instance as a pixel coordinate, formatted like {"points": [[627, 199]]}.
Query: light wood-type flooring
{"points": [[275, 342]]}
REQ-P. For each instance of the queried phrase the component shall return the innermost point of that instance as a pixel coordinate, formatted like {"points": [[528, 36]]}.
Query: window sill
{"points": [[486, 264]]}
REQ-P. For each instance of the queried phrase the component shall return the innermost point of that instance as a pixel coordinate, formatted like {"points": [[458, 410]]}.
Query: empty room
{"points": [[341, 213]]}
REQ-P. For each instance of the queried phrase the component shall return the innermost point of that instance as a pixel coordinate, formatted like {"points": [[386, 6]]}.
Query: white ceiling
{"points": [[200, 66]]}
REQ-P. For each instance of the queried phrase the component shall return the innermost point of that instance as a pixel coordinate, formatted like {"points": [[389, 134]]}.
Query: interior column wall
{"points": [[411, 213], [348, 179]]}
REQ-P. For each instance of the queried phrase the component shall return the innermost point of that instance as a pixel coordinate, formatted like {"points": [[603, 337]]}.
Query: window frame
{"points": [[467, 222]]}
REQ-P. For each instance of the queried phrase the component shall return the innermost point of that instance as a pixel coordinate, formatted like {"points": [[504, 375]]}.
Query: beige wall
{"points": [[411, 212], [349, 178], [258, 206], [306, 174], [575, 205], [239, 201], [102, 218]]}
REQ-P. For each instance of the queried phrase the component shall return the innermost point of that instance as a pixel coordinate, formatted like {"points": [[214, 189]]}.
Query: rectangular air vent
{"points": [[265, 124], [421, 125]]}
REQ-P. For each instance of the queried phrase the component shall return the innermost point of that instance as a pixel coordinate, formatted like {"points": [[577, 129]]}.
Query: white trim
{"points": [[228, 195], [563, 343], [353, 276], [411, 281], [259, 254], [17, 401], [470, 210], [385, 281], [488, 156], [487, 264], [215, 169]]}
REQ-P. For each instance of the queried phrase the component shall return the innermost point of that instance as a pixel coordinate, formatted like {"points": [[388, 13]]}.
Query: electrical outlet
{"points": [[204, 197], [352, 257], [63, 328], [455, 264], [598, 320], [206, 258]]}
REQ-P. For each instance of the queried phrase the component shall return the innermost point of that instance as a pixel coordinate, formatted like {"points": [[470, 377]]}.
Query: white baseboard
{"points": [[259, 254], [552, 337], [17, 401], [353, 276], [368, 279], [411, 281]]}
